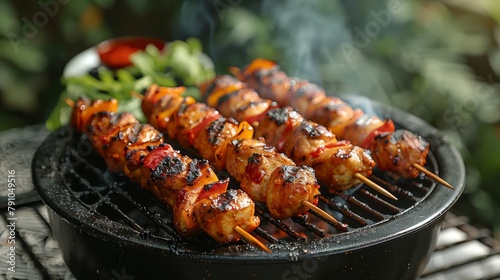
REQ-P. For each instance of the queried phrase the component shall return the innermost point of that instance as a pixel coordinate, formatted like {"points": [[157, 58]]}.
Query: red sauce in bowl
{"points": [[116, 52]]}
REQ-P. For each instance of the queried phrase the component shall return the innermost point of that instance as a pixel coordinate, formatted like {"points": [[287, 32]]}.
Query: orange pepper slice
{"points": [[245, 131], [164, 115], [164, 91], [82, 114], [258, 64], [214, 97], [216, 188]]}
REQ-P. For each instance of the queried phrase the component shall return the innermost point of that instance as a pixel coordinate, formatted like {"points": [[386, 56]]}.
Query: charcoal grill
{"points": [[104, 223]]}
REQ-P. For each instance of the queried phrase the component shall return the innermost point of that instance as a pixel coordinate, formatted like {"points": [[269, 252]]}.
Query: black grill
{"points": [[113, 223]]}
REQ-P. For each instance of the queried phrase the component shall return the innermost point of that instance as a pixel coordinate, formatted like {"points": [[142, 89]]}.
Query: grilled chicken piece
{"points": [[271, 177], [147, 139], [312, 102], [396, 152], [228, 145], [331, 112], [219, 215], [338, 165], [289, 186], [241, 103], [277, 82], [178, 181], [306, 142], [251, 162]]}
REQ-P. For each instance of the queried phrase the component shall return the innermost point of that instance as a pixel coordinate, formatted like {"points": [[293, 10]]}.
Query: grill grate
{"points": [[124, 202], [464, 252]]}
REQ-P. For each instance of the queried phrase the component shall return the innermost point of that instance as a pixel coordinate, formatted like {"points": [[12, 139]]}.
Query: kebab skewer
{"points": [[339, 165], [400, 152], [200, 202], [265, 174]]}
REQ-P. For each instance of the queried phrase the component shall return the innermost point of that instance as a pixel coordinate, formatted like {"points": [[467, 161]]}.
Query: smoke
{"points": [[310, 35], [197, 19], [305, 31]]}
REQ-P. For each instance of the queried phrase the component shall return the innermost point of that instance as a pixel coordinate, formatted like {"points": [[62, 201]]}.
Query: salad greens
{"points": [[180, 63]]}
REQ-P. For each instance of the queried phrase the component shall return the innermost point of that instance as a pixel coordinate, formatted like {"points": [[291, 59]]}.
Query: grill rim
{"points": [[450, 165]]}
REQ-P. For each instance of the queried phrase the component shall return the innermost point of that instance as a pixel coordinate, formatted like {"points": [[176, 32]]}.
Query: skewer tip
{"points": [[251, 239], [70, 102], [136, 95], [319, 211], [374, 186], [433, 176], [234, 70]]}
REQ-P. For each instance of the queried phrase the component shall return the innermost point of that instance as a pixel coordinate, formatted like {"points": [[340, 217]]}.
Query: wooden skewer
{"points": [[320, 211], [433, 176], [70, 102], [251, 239], [234, 70], [137, 95], [374, 186]]}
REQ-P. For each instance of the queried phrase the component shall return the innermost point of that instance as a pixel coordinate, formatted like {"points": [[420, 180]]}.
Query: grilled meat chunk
{"points": [[272, 177], [221, 214], [396, 152]]}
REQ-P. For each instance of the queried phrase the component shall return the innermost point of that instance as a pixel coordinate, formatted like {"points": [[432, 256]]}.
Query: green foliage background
{"points": [[439, 60]]}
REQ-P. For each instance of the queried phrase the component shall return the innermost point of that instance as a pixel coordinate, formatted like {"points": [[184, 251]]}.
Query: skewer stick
{"points": [[251, 239], [319, 211], [136, 95], [70, 102], [234, 70], [374, 186], [433, 176]]}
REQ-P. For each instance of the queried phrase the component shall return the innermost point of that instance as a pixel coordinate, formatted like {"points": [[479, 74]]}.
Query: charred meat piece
{"points": [[272, 177], [222, 214], [396, 152]]}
